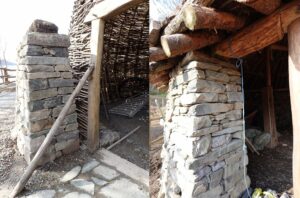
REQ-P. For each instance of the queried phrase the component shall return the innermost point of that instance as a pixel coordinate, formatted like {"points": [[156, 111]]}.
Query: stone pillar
{"points": [[44, 83], [203, 152]]}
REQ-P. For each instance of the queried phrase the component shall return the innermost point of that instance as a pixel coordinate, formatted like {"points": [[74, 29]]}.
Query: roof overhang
{"points": [[110, 8]]}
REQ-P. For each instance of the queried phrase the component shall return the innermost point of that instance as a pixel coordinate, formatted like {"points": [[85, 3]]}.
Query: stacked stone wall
{"points": [[203, 153], [44, 83]]}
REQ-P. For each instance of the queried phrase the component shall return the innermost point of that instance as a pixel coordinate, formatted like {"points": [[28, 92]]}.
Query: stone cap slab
{"points": [[46, 39]]}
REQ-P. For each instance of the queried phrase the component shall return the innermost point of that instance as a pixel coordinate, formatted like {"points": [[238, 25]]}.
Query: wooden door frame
{"points": [[97, 16]]}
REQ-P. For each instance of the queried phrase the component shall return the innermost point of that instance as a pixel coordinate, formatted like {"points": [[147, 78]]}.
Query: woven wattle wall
{"points": [[125, 52]]}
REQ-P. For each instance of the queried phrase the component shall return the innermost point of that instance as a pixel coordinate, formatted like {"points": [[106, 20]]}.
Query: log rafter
{"points": [[260, 34]]}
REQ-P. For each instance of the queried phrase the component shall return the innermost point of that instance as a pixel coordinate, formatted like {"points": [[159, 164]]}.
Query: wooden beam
{"points": [[154, 32], [156, 54], [260, 34], [263, 6], [200, 17], [268, 105], [294, 82], [176, 25], [202, 57], [110, 8], [97, 36], [177, 44]]}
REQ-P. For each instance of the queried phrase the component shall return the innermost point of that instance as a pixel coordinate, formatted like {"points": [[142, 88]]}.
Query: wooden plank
{"points": [[110, 8], [260, 34], [263, 6], [43, 148], [294, 82], [97, 36]]}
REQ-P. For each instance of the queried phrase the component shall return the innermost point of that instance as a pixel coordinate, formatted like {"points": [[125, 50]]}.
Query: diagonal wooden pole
{"points": [[33, 164]]}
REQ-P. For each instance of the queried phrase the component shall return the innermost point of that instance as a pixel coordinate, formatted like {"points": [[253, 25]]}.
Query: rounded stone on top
{"points": [[39, 25]]}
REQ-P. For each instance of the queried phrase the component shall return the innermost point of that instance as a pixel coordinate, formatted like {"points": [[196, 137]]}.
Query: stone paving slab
{"points": [[103, 177]]}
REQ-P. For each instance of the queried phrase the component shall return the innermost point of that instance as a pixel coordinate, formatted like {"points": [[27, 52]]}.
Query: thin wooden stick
{"points": [[33, 164], [123, 138], [252, 146]]}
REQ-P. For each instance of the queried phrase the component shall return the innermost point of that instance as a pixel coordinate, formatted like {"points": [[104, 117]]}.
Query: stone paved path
{"points": [[105, 176]]}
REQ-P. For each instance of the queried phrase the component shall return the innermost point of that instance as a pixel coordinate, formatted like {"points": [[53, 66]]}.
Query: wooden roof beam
{"points": [[200, 17], [263, 6], [260, 34], [110, 8], [176, 25]]}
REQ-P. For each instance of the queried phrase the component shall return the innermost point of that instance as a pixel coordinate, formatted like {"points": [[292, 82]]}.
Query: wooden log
{"points": [[156, 54], [263, 6], [260, 34], [294, 81], [202, 57], [154, 32], [200, 17], [34, 163], [176, 25], [177, 44], [97, 37], [162, 65]]}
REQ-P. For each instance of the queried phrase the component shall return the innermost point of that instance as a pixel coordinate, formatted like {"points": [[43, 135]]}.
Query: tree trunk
{"points": [[200, 17], [177, 44], [263, 6], [294, 81]]}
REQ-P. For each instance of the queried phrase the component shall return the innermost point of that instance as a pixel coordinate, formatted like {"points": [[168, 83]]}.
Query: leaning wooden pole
{"points": [[33, 164], [294, 81]]}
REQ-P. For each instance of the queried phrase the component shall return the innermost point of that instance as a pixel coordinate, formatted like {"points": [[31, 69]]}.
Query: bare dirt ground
{"points": [[273, 168], [155, 160], [135, 148]]}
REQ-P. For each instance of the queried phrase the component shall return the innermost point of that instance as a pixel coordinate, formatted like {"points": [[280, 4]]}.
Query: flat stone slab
{"points": [[76, 195], [105, 172], [84, 185], [71, 174], [124, 166], [89, 166], [46, 39], [43, 194], [99, 182], [123, 188]]}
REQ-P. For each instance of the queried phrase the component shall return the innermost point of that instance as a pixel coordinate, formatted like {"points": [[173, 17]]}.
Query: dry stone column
{"points": [[44, 83], [203, 139]]}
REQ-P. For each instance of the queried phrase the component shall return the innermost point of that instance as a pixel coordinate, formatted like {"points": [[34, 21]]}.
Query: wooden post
{"points": [[268, 105], [94, 85], [294, 81]]}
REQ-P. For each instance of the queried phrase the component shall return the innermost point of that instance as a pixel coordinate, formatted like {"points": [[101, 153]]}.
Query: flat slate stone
{"points": [[43, 60], [89, 166], [43, 26], [43, 194], [123, 188], [99, 182], [84, 185], [46, 39], [105, 172], [76, 195], [71, 174]]}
